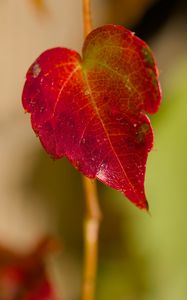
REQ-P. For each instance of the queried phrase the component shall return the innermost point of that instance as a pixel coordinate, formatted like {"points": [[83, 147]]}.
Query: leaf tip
{"points": [[146, 208], [143, 205]]}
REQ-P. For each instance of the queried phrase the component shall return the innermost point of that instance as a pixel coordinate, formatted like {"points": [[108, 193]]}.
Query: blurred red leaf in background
{"points": [[24, 277]]}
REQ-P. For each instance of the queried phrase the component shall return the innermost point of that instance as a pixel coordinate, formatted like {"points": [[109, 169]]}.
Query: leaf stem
{"points": [[91, 232], [87, 17], [92, 214]]}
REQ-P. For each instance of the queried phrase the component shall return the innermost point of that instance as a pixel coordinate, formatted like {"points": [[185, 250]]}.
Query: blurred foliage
{"points": [[40, 5], [24, 277], [127, 12]]}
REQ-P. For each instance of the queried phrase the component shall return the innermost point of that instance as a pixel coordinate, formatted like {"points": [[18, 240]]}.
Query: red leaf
{"points": [[92, 109], [24, 277]]}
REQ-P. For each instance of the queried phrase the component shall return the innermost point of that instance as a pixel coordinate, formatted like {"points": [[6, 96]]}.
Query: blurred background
{"points": [[141, 257]]}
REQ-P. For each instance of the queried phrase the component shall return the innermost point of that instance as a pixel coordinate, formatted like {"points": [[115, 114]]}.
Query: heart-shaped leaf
{"points": [[92, 109]]}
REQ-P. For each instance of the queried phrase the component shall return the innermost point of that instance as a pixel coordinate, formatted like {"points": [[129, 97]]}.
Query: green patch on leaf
{"points": [[148, 56]]}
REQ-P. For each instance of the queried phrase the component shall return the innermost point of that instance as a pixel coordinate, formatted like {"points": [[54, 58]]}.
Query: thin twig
{"points": [[93, 214], [91, 232], [87, 17]]}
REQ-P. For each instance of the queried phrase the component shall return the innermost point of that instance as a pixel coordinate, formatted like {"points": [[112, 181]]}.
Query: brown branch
{"points": [[87, 17], [92, 214], [91, 232]]}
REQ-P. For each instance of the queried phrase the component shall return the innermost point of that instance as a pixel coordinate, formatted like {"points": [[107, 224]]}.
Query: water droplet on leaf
{"points": [[36, 70]]}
